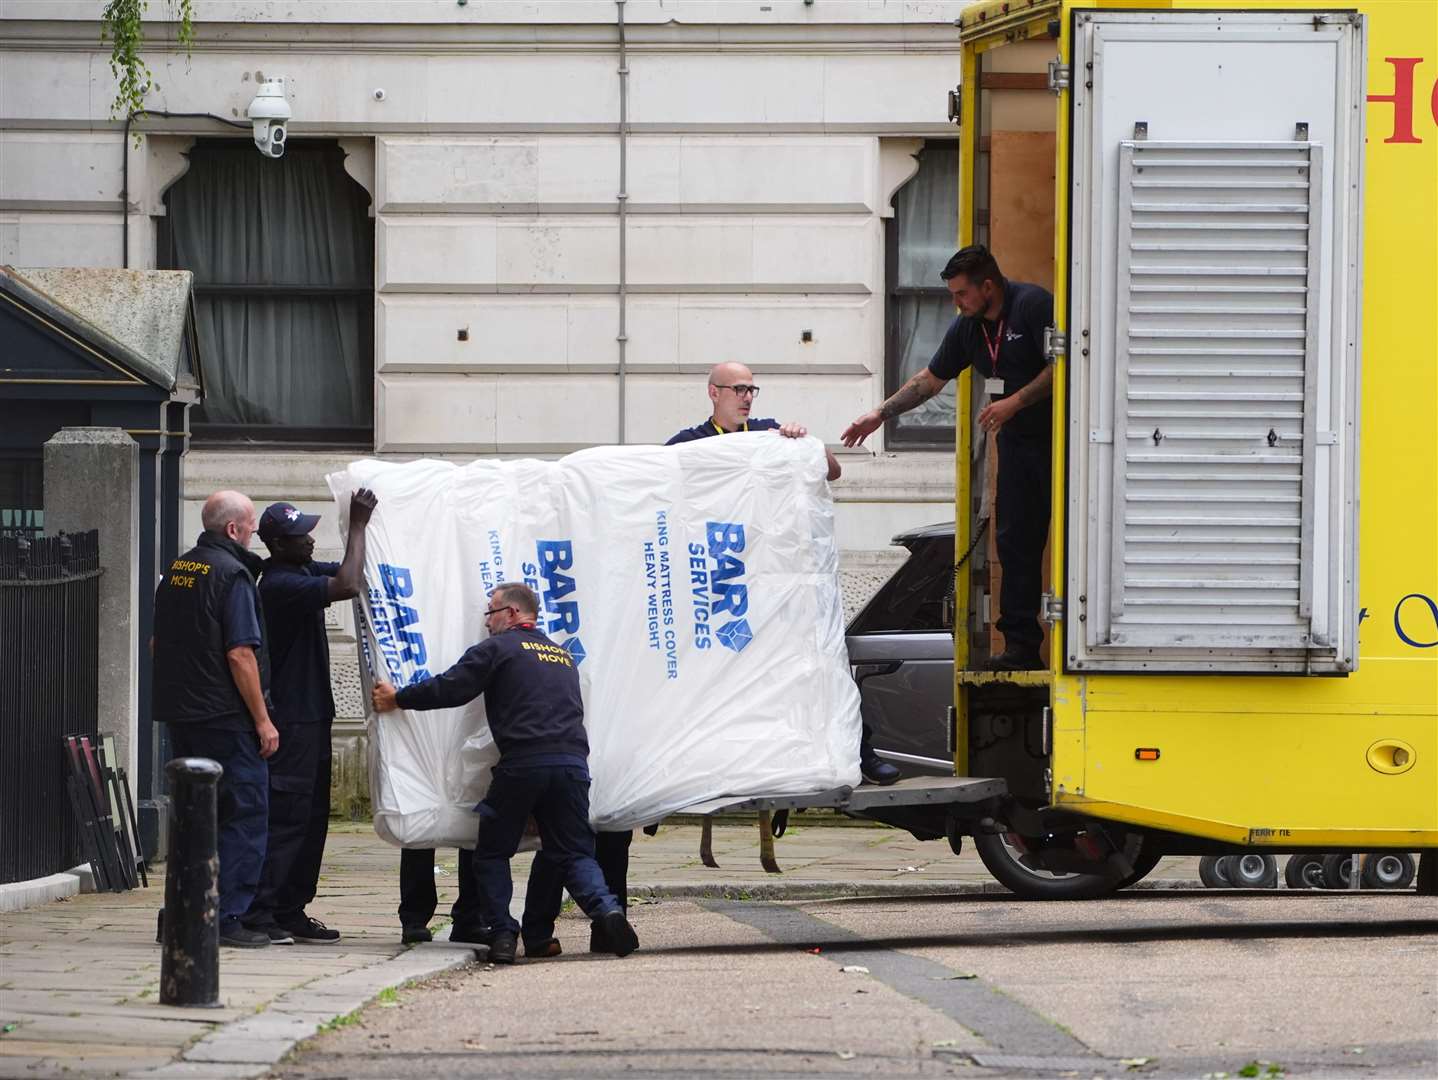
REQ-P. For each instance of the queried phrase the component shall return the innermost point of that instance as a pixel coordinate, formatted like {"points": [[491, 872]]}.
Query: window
{"points": [[918, 599], [283, 256], [919, 239]]}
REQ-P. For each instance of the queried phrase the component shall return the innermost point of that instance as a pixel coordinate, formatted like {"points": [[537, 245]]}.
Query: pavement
{"points": [[1164, 983], [79, 977]]}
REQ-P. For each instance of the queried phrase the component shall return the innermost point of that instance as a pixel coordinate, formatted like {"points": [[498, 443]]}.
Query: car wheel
{"points": [[1005, 857], [1389, 870], [1304, 872], [1252, 871], [1210, 872]]}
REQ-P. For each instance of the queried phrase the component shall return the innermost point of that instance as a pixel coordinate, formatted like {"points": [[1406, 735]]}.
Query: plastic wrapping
{"points": [[696, 585]]}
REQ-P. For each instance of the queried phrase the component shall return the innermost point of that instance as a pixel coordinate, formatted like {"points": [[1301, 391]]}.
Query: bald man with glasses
{"points": [[731, 397]]}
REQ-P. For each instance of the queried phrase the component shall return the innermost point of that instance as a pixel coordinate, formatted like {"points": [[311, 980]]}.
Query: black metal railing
{"points": [[49, 668]]}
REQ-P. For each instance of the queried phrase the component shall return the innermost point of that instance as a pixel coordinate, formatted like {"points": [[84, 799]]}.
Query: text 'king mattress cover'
{"points": [[696, 586]]}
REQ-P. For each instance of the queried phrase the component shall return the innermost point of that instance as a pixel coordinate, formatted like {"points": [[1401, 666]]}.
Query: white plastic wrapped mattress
{"points": [[697, 585]]}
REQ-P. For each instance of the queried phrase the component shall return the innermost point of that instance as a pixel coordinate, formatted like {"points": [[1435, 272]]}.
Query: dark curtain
{"points": [[283, 256]]}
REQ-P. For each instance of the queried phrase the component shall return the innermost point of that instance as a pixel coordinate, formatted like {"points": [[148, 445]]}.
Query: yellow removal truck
{"points": [[1239, 229]]}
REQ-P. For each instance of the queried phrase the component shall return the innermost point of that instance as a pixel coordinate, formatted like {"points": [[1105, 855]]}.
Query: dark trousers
{"points": [[544, 895], [418, 897], [557, 796], [243, 809], [1025, 475], [299, 824]]}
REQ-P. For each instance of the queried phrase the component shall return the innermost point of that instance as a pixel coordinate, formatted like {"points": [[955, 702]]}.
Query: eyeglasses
{"points": [[497, 610], [740, 389]]}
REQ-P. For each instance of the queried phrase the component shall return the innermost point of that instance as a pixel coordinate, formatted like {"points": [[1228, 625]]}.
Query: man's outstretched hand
{"points": [[383, 697], [862, 428]]}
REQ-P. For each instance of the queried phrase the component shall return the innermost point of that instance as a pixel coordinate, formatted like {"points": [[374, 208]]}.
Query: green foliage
{"points": [[121, 25]]}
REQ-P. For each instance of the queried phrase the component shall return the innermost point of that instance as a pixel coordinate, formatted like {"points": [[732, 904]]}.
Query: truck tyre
{"points": [[1428, 874], [1304, 872], [1003, 862], [1251, 871], [1209, 872], [1389, 870], [1142, 867], [1337, 871]]}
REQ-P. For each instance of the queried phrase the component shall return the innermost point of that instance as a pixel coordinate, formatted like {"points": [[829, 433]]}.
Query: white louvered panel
{"points": [[1212, 471]]}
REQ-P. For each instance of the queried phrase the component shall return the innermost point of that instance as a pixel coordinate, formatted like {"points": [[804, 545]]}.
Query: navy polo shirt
{"points": [[709, 427], [295, 598], [1028, 310]]}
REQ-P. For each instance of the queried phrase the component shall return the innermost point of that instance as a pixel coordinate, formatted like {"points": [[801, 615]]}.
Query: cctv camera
{"points": [[269, 112]]}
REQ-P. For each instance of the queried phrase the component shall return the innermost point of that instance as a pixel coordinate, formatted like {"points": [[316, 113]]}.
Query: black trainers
{"points": [[503, 947], [542, 950], [878, 771], [239, 936], [309, 931], [278, 934], [414, 935], [618, 934], [469, 935]]}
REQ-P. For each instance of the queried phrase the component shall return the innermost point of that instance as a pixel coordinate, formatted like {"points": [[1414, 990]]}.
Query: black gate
{"points": [[49, 662]]}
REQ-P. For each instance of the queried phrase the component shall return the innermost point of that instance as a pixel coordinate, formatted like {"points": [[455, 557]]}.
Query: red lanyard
{"points": [[994, 344]]}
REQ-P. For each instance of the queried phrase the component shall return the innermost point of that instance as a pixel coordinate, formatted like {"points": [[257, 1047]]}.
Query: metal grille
{"points": [[1216, 341], [49, 626]]}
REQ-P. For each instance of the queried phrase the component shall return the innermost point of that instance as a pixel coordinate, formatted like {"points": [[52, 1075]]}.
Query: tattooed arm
{"points": [[911, 395]]}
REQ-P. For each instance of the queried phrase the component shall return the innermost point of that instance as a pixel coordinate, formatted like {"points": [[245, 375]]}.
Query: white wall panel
{"points": [[692, 172], [878, 89], [418, 252], [53, 167], [576, 333], [438, 253], [46, 239]]}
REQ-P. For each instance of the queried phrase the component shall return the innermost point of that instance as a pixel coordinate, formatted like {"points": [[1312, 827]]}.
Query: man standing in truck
{"points": [[999, 333]]}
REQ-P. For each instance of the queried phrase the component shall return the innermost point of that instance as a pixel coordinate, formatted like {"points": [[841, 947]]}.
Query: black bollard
{"points": [[190, 957]]}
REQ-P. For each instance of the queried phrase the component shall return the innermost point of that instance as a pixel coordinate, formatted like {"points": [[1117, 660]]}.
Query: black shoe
{"points": [[469, 935], [1016, 660], [503, 947], [278, 934], [415, 935], [542, 950], [239, 936], [309, 931], [619, 935], [877, 771]]}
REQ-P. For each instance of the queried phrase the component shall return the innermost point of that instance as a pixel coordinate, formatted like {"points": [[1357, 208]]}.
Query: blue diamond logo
{"points": [[576, 650], [735, 635]]}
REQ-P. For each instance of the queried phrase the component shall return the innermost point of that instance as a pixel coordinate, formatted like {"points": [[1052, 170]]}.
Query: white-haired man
{"points": [[211, 685]]}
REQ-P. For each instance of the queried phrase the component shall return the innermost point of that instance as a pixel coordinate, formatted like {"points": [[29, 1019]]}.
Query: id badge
{"points": [[993, 386]]}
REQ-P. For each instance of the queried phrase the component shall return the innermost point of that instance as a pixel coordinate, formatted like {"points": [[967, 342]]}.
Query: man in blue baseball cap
{"points": [[295, 590]]}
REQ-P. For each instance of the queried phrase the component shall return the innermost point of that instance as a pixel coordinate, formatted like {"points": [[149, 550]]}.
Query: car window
{"points": [[916, 598]]}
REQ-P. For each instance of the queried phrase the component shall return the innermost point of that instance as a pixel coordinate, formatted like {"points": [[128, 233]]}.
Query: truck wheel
{"points": [[1251, 871], [1210, 872], [1304, 872], [1005, 862], [1389, 870], [1142, 867], [1337, 871]]}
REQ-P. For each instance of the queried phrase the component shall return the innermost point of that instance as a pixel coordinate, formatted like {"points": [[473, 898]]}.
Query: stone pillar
{"points": [[92, 481]]}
